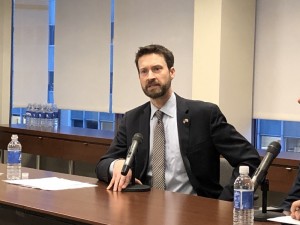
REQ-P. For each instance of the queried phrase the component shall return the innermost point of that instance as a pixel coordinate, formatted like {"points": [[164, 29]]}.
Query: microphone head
{"points": [[138, 137], [274, 148]]}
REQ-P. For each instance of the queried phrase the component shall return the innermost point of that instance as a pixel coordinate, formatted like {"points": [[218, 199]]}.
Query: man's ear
{"points": [[172, 72]]}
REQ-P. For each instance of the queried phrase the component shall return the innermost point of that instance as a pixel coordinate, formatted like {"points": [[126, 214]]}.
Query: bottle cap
{"points": [[244, 169], [14, 136]]}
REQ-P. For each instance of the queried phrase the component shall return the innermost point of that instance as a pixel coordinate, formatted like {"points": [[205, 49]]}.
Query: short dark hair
{"points": [[156, 49]]}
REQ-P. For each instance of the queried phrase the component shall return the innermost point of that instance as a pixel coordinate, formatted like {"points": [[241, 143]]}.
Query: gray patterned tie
{"points": [[158, 154]]}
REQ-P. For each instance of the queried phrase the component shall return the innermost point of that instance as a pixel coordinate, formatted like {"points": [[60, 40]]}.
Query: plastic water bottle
{"points": [[243, 209], [28, 115], [35, 116], [38, 110], [14, 156], [55, 116], [49, 116], [42, 116]]}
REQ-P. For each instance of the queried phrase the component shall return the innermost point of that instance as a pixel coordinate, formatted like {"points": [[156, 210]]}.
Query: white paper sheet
{"points": [[285, 219], [50, 183]]}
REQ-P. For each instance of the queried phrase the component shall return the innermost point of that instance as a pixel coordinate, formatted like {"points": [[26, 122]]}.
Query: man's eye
{"points": [[156, 69], [143, 72]]}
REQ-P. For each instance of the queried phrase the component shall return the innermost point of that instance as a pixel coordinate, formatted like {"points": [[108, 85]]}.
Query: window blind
{"points": [[277, 54], [142, 22], [82, 55], [30, 73]]}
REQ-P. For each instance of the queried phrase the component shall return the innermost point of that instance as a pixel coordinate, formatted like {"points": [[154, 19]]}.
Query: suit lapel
{"points": [[183, 124], [143, 152]]}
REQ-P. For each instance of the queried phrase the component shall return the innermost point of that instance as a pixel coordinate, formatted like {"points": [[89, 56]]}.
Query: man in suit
{"points": [[196, 134], [291, 204]]}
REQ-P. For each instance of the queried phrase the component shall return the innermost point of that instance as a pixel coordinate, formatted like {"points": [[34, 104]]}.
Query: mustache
{"points": [[151, 83]]}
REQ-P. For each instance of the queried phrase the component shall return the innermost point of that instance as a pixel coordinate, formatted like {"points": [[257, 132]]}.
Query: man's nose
{"points": [[151, 75]]}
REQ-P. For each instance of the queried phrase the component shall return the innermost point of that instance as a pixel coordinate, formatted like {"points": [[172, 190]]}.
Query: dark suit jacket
{"points": [[202, 140], [293, 195]]}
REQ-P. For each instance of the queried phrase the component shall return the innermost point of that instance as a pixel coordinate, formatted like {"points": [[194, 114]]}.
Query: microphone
{"points": [[136, 140], [259, 179], [260, 173], [132, 187]]}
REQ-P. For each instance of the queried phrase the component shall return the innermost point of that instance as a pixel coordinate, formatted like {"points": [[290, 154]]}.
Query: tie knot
{"points": [[159, 115]]}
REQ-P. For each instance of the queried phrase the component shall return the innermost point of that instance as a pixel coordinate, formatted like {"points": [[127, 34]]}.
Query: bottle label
{"points": [[243, 199], [49, 115], [41, 115], [34, 115], [55, 114], [14, 157]]}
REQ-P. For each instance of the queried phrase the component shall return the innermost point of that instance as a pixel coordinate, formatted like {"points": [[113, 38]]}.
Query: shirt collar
{"points": [[169, 108]]}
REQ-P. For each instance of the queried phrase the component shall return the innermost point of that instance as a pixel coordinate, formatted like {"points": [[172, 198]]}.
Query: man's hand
{"points": [[118, 181], [295, 210]]}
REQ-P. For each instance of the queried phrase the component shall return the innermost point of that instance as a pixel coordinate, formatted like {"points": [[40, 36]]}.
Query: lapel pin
{"points": [[185, 121]]}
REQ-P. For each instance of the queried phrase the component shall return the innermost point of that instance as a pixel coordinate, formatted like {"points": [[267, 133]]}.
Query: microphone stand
{"points": [[264, 215], [133, 187]]}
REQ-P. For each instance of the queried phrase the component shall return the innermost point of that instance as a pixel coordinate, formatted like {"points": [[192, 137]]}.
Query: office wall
{"points": [[5, 53]]}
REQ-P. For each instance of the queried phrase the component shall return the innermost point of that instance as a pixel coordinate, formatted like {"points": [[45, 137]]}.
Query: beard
{"points": [[157, 92]]}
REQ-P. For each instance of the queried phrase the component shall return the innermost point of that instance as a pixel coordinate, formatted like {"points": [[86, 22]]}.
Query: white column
{"points": [[5, 56], [223, 58]]}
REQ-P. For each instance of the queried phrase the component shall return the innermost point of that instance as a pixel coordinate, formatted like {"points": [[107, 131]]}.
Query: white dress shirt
{"points": [[175, 174]]}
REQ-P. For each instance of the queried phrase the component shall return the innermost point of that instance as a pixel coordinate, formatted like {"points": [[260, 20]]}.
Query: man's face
{"points": [[155, 77]]}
